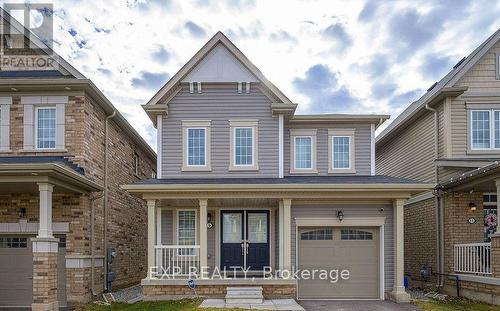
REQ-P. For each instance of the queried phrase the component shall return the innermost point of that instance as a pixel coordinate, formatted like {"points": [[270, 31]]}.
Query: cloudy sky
{"points": [[328, 56]]}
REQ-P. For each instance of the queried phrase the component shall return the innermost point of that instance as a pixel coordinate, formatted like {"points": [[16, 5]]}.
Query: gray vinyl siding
{"points": [[410, 153], [167, 222], [352, 210], [441, 131], [362, 137], [481, 79], [220, 103]]}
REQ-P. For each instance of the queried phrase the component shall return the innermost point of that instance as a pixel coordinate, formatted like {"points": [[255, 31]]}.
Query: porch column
{"points": [[45, 210], [45, 249], [203, 234], [287, 234], [497, 184], [151, 236], [280, 227], [399, 294]]}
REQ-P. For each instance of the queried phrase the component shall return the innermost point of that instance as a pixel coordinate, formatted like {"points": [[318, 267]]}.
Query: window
{"points": [[341, 151], [350, 234], [136, 164], [485, 129], [303, 151], [13, 242], [153, 174], [244, 140], [45, 128], [243, 145], [490, 214], [317, 235], [196, 142], [186, 230]]}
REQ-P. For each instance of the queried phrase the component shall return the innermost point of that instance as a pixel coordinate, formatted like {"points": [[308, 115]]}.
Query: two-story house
{"points": [[64, 152], [450, 137], [249, 192]]}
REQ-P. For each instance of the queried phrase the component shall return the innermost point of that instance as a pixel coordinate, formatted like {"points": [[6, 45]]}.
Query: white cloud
{"points": [[120, 43]]}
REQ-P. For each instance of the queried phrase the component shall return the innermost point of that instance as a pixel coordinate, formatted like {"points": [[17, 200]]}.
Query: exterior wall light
{"points": [[472, 207], [340, 215]]}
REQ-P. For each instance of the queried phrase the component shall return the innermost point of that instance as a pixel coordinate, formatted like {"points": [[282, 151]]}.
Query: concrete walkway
{"points": [[348, 305], [273, 304]]}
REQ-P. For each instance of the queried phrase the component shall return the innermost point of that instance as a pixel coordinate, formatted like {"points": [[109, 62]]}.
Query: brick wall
{"points": [[44, 278], [126, 225], [457, 230], [420, 237], [154, 292], [495, 255]]}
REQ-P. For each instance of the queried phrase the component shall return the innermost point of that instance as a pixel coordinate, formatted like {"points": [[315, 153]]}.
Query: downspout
{"points": [[92, 244], [438, 201], [106, 125]]}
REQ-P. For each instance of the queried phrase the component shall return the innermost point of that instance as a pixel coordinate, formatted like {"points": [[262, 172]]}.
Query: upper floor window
{"points": [[44, 118], [136, 164], [341, 151], [243, 145], [196, 141], [5, 103], [485, 129], [303, 151], [45, 127]]}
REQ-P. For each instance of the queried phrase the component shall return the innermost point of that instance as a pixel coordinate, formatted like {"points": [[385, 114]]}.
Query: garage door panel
{"points": [[343, 250]]}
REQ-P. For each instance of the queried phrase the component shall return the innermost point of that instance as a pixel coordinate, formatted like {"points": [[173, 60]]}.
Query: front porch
{"points": [[223, 233]]}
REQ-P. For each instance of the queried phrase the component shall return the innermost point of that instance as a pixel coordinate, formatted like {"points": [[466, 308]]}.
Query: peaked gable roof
{"points": [[65, 67], [445, 87], [218, 38]]}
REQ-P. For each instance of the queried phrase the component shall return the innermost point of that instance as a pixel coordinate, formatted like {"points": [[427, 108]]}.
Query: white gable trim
{"points": [[219, 37]]}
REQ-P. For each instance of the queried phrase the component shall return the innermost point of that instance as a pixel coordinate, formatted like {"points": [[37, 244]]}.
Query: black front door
{"points": [[245, 239]]}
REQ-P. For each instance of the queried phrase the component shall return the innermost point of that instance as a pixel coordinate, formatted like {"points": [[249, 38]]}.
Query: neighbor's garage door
{"points": [[354, 249], [16, 270]]}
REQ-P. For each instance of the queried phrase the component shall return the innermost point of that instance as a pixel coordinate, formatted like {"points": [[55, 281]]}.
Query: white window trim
{"points": [[186, 125], [492, 130], [5, 103], [295, 133], [195, 228], [341, 133], [252, 124], [37, 108]]}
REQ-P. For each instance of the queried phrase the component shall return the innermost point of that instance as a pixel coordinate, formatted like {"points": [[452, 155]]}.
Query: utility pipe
{"points": [[106, 126]]}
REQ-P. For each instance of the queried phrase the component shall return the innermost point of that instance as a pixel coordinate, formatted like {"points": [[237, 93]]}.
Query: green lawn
{"points": [[172, 305], [460, 305]]}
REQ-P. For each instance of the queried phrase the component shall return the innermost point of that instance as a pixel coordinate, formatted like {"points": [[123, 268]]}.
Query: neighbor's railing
{"points": [[177, 260], [473, 258]]}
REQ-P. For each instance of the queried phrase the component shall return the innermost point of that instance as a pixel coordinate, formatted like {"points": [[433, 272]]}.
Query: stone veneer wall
{"points": [[44, 278], [420, 238], [495, 255]]}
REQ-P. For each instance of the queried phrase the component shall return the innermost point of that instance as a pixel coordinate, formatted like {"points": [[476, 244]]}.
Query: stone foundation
{"points": [[166, 292]]}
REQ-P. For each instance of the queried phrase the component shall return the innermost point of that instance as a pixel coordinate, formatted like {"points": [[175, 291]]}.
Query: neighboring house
{"points": [[245, 182], [450, 137], [64, 152]]}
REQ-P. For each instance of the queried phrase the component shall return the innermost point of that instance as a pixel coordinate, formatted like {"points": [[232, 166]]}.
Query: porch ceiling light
{"points": [[472, 207], [340, 215]]}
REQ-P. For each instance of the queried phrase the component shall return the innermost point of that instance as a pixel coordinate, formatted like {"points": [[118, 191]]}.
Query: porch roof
{"points": [[22, 173], [473, 177], [287, 187], [357, 179]]}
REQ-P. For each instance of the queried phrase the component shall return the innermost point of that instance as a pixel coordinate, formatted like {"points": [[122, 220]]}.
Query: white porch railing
{"points": [[177, 260], [473, 258]]}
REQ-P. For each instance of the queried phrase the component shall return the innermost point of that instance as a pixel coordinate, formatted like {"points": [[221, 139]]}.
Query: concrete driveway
{"points": [[364, 305]]}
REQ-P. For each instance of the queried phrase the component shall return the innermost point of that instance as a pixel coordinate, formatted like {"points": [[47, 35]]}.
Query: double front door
{"points": [[245, 239]]}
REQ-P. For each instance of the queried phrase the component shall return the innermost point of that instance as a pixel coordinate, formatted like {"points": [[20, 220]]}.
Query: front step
{"points": [[239, 295]]}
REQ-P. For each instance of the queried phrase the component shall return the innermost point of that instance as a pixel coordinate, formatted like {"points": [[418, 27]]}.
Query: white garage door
{"points": [[16, 271], [339, 248]]}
